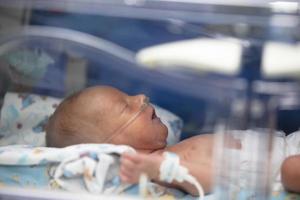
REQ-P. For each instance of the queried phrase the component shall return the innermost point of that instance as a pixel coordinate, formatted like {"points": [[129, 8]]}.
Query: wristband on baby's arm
{"points": [[171, 170]]}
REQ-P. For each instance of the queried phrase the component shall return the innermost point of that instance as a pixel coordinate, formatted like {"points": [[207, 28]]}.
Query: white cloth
{"points": [[255, 147], [84, 167]]}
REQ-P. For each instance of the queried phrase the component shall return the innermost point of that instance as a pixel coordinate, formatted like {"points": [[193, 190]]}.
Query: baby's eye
{"points": [[123, 108], [132, 107], [126, 107]]}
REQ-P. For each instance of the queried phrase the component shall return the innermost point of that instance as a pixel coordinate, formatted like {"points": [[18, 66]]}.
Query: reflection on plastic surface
{"points": [[250, 169], [243, 150]]}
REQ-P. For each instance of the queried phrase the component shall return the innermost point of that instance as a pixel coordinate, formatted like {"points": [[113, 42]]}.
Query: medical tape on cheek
{"points": [[132, 119]]}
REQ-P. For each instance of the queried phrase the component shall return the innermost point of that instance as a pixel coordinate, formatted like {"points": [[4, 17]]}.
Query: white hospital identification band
{"points": [[170, 170]]}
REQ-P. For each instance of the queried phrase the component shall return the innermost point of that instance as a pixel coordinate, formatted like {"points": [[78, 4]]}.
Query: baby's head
{"points": [[103, 114]]}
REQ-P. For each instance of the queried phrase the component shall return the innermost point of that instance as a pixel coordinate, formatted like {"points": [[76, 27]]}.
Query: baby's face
{"points": [[145, 132]]}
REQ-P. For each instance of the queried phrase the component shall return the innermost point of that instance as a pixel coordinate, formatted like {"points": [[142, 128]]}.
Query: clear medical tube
{"points": [[120, 129]]}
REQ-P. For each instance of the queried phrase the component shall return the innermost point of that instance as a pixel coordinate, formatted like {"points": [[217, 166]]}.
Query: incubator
{"points": [[225, 67]]}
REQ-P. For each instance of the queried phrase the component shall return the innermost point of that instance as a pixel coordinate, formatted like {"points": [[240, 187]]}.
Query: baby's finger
{"points": [[132, 157], [137, 158], [124, 171], [129, 171], [124, 178], [125, 168], [127, 176], [127, 163]]}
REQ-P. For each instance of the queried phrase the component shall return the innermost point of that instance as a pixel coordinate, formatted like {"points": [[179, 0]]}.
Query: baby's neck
{"points": [[150, 151], [145, 151]]}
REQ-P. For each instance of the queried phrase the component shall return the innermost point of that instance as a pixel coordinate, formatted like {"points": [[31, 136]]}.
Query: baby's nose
{"points": [[141, 99]]}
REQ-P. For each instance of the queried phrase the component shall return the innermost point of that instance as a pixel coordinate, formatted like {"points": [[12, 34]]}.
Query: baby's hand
{"points": [[133, 165]]}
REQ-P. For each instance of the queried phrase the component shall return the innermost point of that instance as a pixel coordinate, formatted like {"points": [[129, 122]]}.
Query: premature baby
{"points": [[103, 114]]}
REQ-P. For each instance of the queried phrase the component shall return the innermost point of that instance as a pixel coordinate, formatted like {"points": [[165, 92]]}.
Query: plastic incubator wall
{"points": [[215, 66]]}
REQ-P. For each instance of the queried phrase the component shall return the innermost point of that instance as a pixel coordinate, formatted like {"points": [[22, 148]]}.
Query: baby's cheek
{"points": [[162, 131], [141, 123]]}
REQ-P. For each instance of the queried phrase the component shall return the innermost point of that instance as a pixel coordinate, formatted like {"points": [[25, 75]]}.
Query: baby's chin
{"points": [[160, 143], [151, 149], [163, 142], [159, 146]]}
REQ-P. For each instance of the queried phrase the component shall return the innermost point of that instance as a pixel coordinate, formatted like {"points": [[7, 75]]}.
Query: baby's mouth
{"points": [[154, 116]]}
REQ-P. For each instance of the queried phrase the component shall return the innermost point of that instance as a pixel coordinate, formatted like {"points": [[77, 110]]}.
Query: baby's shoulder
{"points": [[193, 146], [199, 139]]}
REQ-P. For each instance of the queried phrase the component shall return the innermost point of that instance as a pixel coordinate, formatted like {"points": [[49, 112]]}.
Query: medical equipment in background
{"points": [[138, 24]]}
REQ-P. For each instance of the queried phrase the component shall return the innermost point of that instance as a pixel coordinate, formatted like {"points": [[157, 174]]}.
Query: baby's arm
{"points": [[203, 174], [290, 173], [133, 165]]}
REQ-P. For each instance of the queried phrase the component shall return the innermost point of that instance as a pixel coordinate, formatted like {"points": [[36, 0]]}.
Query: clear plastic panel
{"points": [[249, 170], [53, 48], [55, 62]]}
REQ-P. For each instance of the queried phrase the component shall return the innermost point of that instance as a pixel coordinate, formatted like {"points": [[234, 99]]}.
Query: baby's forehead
{"points": [[104, 92], [103, 97]]}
